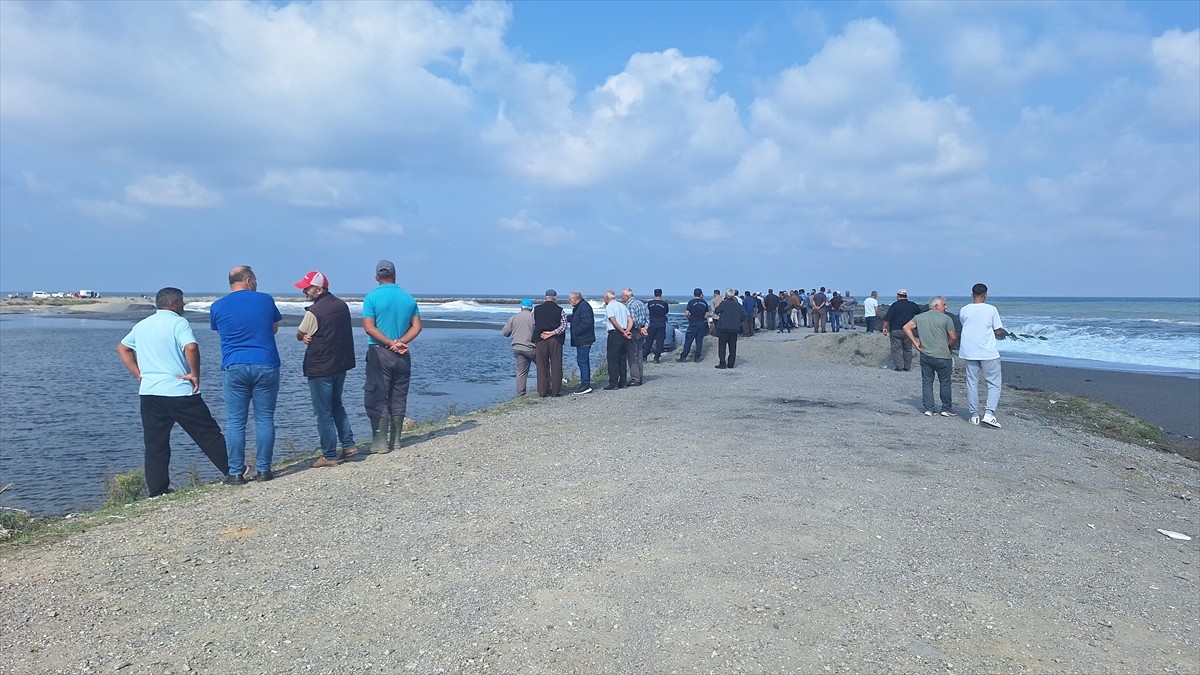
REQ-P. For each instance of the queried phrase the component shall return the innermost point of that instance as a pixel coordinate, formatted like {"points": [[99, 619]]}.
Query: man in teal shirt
{"points": [[934, 339], [391, 320]]}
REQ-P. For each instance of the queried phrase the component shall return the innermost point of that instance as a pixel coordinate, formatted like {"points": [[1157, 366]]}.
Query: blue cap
{"points": [[527, 303]]}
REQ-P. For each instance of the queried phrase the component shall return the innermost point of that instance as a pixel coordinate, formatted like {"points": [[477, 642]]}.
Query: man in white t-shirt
{"points": [[620, 333], [977, 346], [870, 308]]}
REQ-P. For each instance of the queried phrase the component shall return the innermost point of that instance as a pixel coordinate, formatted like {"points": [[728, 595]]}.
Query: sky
{"points": [[1043, 148]]}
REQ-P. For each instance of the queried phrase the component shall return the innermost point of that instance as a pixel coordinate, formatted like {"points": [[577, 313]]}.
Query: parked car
{"points": [[40, 295]]}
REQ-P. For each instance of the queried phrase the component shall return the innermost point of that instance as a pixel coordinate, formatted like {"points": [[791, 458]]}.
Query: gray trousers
{"points": [[991, 374], [902, 350], [636, 344], [524, 357], [385, 392]]}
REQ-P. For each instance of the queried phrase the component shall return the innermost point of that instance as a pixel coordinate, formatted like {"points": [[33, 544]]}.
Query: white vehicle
{"points": [[40, 295], [85, 293], [60, 294]]}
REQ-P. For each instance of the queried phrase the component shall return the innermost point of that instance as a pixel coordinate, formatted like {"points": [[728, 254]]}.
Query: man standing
{"points": [[641, 326], [519, 329], [730, 317], [835, 311], [247, 322], [697, 315], [819, 308], [784, 307], [749, 308], [549, 334], [771, 304], [899, 313], [849, 303], [658, 310], [980, 327], [934, 340], [620, 332], [870, 309], [162, 354], [583, 336], [327, 331], [391, 320]]}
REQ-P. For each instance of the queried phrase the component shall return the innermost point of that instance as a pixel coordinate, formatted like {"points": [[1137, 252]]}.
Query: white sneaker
{"points": [[929, 413], [946, 413], [990, 420], [975, 420]]}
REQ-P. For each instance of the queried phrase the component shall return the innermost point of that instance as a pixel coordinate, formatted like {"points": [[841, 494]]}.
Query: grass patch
{"points": [[125, 488], [1099, 418], [842, 340]]}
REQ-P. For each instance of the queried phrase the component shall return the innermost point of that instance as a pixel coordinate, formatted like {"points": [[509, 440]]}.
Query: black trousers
{"points": [[654, 340], [385, 390], [618, 351], [727, 341], [159, 415]]}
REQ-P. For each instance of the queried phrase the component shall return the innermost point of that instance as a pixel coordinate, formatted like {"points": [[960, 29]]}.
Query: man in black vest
{"points": [[327, 332], [549, 333]]}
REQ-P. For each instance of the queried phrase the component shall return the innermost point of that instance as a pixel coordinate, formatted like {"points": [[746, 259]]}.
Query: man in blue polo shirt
{"points": [[247, 322], [391, 320], [162, 354]]}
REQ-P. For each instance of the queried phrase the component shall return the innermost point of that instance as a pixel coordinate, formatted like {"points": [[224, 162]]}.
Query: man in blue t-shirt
{"points": [[697, 314], [391, 320], [247, 322]]}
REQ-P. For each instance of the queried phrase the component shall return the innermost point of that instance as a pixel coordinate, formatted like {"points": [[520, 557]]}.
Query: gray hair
{"points": [[610, 294], [730, 293], [575, 294], [627, 290], [937, 299]]}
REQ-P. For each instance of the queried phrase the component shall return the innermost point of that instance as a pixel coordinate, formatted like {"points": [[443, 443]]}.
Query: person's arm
{"points": [[191, 352], [953, 335], [308, 327], [129, 358], [414, 329], [908, 330], [562, 325], [508, 326], [612, 319]]}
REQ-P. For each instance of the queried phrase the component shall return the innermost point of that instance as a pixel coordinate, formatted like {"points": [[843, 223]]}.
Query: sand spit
{"points": [[794, 514]]}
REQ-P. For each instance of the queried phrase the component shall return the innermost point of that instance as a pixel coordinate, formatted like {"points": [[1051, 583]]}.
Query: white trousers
{"points": [[991, 375]]}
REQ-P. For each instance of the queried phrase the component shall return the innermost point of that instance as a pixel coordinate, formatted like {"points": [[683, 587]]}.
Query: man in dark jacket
{"points": [[549, 333], [730, 320], [899, 313], [327, 331], [771, 305], [583, 336], [658, 309]]}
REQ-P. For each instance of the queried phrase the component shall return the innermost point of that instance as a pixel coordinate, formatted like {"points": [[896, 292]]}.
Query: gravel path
{"points": [[795, 514]]}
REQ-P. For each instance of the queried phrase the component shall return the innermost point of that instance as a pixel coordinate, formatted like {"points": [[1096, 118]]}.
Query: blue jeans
{"points": [[243, 383], [835, 321], [696, 331], [333, 424], [583, 358], [942, 368]]}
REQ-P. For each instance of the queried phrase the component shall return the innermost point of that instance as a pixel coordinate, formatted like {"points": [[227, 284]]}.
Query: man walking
{"points": [[247, 322], [549, 334], [161, 353], [583, 336], [327, 331], [658, 310], [620, 332], [870, 309], [934, 339], [519, 330], [899, 313], [730, 317], [641, 327], [697, 318], [980, 327], [391, 321]]}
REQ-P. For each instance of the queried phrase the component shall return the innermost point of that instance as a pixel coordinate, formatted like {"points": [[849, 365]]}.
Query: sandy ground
{"points": [[794, 514]]}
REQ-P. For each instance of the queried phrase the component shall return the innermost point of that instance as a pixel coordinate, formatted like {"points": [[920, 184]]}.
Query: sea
{"points": [[69, 410]]}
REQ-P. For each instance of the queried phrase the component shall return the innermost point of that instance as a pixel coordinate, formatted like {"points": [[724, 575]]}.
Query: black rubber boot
{"points": [[394, 435]]}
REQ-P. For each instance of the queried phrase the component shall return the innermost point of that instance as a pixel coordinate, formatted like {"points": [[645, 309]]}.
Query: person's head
{"points": [[313, 285], [242, 278], [836, 294], [747, 294], [979, 291], [626, 294], [574, 297], [551, 295], [875, 294], [846, 294], [822, 289], [527, 304], [609, 296], [697, 293], [170, 298], [385, 272], [658, 294], [770, 291], [937, 303], [901, 294], [716, 293], [730, 293]]}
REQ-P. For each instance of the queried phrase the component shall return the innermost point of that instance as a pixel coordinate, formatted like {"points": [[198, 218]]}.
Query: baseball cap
{"points": [[550, 293], [902, 292], [385, 267], [527, 303], [313, 278]]}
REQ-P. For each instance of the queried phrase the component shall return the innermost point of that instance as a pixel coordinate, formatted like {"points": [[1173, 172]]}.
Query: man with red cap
{"points": [[327, 331]]}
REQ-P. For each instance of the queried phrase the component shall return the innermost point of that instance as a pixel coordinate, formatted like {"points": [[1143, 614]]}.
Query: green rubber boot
{"points": [[379, 436], [394, 434]]}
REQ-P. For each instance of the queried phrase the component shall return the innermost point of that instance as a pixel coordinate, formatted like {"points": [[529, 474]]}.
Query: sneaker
{"points": [[697, 359], [720, 366], [929, 413], [946, 413], [323, 461], [266, 475], [585, 389], [235, 480], [990, 420], [683, 358], [975, 420]]}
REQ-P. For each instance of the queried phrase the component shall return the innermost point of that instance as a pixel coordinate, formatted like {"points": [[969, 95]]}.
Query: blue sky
{"points": [[1042, 148]]}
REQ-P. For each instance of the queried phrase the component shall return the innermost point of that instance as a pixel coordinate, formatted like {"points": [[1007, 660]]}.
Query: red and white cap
{"points": [[313, 278]]}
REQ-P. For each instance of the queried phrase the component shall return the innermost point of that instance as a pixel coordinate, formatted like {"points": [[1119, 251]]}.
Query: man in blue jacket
{"points": [[583, 336]]}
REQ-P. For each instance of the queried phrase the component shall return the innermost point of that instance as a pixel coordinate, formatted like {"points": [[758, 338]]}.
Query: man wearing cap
{"points": [[898, 314], [247, 322], [697, 315], [583, 336], [657, 333], [549, 334], [327, 331], [519, 330], [162, 355], [391, 320], [637, 337]]}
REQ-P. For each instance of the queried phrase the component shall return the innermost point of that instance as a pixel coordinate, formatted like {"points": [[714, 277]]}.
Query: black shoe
{"points": [[720, 366], [635, 384], [234, 480], [266, 475], [611, 387], [585, 389], [697, 359], [168, 491], [683, 358], [656, 359]]}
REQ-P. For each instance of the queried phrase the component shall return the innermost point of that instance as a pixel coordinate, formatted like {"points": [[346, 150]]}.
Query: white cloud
{"points": [[534, 232], [704, 230], [108, 210], [172, 190], [1176, 95], [314, 188], [37, 186], [372, 225]]}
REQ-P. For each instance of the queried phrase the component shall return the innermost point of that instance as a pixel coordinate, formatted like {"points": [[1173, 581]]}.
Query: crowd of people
{"points": [[161, 353]]}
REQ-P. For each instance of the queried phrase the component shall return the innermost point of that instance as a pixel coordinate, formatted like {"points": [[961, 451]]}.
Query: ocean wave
{"points": [[1172, 349]]}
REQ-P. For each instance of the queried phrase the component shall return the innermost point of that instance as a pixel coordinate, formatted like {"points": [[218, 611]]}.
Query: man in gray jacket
{"points": [[519, 330]]}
